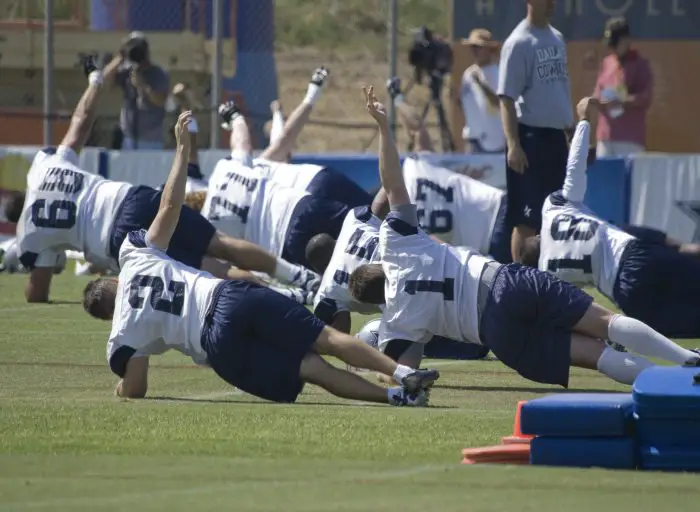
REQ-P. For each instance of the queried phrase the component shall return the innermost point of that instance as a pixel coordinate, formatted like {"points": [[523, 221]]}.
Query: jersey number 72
{"points": [[157, 286]]}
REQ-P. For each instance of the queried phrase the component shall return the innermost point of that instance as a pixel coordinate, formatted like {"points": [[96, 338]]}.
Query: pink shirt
{"points": [[634, 75]]}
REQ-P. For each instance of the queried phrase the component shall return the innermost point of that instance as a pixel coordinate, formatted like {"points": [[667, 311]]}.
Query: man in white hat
{"points": [[483, 130]]}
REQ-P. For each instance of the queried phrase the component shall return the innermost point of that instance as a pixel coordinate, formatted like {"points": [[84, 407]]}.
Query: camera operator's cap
{"points": [[480, 37], [615, 28]]}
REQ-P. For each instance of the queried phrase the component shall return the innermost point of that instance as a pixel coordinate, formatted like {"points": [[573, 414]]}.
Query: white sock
{"points": [[399, 99], [642, 339], [277, 126], [95, 77], [622, 367], [285, 271], [402, 372], [313, 93]]}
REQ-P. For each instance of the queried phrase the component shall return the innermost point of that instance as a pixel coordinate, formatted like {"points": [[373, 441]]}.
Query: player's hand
{"points": [[319, 76], [586, 108], [374, 108], [182, 133], [517, 159]]}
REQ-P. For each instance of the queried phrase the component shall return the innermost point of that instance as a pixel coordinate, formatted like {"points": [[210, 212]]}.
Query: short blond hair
{"points": [[195, 200]]}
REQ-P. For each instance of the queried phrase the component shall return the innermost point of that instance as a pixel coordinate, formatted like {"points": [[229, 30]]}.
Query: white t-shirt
{"points": [[67, 208], [357, 244], [483, 122], [575, 244], [243, 204], [431, 288], [297, 176], [161, 304], [457, 209]]}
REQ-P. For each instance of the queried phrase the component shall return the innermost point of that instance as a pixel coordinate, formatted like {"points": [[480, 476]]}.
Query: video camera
{"points": [[430, 55], [135, 48]]}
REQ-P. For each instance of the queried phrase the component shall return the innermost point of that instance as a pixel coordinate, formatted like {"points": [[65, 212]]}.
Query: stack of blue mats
{"points": [[581, 430], [667, 414]]}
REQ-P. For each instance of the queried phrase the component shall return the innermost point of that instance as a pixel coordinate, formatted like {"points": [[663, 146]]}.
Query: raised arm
{"points": [[576, 166], [173, 196], [390, 171]]}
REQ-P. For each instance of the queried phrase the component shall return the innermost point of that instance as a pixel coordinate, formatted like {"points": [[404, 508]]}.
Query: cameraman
{"points": [[145, 87]]}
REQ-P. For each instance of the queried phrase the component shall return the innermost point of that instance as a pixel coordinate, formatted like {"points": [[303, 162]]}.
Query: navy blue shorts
{"points": [[334, 185], [661, 287], [440, 347], [646, 234], [256, 339], [190, 240], [500, 237], [527, 322], [547, 152], [312, 216]]}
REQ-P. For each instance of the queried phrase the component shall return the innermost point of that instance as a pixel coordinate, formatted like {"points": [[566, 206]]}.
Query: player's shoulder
{"points": [[134, 243], [556, 199], [394, 225]]}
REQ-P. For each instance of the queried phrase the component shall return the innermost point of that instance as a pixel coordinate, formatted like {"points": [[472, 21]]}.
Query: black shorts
{"points": [[256, 339], [335, 186], [312, 216], [547, 152], [527, 321], [190, 241], [661, 287]]}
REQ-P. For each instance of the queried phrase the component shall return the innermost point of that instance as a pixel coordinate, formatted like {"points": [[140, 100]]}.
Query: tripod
{"points": [[436, 82]]}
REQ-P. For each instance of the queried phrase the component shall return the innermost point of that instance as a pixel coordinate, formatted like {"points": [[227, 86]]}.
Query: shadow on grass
{"points": [[254, 402], [65, 302], [522, 389]]}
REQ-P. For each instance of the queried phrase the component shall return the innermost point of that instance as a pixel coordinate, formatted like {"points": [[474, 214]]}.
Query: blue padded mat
{"points": [[613, 453], [668, 432], [578, 415], [670, 458], [667, 392]]}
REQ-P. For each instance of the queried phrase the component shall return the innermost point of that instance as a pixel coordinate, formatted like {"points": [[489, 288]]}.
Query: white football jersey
{"points": [[575, 244], [431, 288], [161, 304], [357, 244], [67, 208], [195, 185], [243, 204], [297, 176], [457, 209]]}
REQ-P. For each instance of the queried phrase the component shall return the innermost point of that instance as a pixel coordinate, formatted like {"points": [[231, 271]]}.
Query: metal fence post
{"points": [[393, 50], [48, 71], [216, 73]]}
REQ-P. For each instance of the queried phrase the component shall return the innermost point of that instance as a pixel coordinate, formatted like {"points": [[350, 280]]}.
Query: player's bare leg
{"points": [[315, 370], [356, 353], [279, 150], [636, 336], [517, 240], [240, 140]]}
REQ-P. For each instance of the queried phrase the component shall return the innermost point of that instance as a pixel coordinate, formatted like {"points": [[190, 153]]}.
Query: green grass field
{"points": [[66, 443]]}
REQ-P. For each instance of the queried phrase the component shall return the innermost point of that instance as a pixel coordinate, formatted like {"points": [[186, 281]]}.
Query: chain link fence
{"points": [[269, 51]]}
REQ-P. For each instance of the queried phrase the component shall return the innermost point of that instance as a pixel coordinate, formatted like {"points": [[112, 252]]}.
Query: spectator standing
{"points": [[483, 130], [624, 88], [536, 110], [146, 87]]}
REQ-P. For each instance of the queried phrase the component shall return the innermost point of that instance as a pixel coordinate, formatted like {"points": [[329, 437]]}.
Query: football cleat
{"points": [[319, 76], [228, 112], [399, 398], [307, 280], [419, 380], [89, 64], [393, 86]]}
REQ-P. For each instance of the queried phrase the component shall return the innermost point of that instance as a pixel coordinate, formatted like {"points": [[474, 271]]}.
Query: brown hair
{"points": [[195, 200], [99, 297], [366, 284]]}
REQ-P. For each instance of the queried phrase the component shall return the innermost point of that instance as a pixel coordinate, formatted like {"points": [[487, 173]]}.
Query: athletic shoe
{"points": [[419, 380], [393, 86], [400, 398]]}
